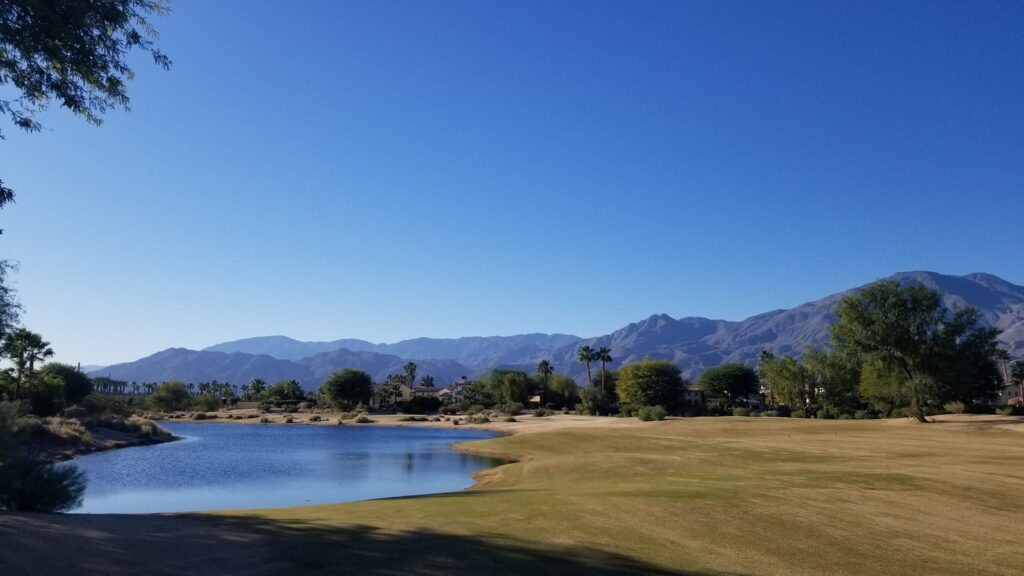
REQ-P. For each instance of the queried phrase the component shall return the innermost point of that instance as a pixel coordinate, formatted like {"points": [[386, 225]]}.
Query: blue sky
{"points": [[386, 170]]}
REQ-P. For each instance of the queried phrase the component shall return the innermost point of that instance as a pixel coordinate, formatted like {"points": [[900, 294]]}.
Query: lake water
{"points": [[218, 466]]}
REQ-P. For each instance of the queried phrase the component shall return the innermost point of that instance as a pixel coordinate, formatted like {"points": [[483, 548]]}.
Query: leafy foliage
{"points": [[346, 388], [27, 482], [172, 395], [733, 381], [650, 383], [915, 349]]}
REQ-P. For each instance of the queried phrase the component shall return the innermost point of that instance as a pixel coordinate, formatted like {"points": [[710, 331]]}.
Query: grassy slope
{"points": [[696, 496]]}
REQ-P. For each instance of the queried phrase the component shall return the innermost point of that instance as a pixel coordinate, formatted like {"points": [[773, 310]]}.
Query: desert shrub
{"points": [[649, 413], [288, 419], [845, 416], [542, 412], [413, 419], [770, 413], [206, 403], [46, 394], [449, 409], [741, 411], [861, 414], [478, 419], [595, 401], [511, 408], [362, 420], [628, 410], [340, 422], [315, 418], [264, 420], [798, 413], [717, 408], [436, 419], [198, 416], [75, 412], [474, 410], [957, 407], [29, 483], [420, 405], [1005, 411]]}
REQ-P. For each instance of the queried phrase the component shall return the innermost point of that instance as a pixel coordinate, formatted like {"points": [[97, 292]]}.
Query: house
{"points": [[1009, 395], [693, 396]]}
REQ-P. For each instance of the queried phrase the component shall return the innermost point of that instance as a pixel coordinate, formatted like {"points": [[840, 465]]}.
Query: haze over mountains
{"points": [[694, 344]]}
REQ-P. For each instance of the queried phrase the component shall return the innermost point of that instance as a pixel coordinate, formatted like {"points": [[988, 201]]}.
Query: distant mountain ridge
{"points": [[693, 343]]}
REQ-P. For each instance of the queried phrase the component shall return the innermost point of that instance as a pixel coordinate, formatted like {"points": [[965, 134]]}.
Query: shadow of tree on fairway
{"points": [[251, 545]]}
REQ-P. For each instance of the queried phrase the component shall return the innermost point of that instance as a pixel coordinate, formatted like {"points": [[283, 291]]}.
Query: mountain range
{"points": [[693, 343]]}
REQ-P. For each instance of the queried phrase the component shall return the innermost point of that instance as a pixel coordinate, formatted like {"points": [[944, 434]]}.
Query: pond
{"points": [[221, 466]]}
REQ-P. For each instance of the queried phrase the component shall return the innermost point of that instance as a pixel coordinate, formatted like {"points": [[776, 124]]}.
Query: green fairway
{"points": [[687, 496]]}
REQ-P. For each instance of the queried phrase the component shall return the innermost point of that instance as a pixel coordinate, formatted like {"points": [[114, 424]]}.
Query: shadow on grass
{"points": [[113, 544]]}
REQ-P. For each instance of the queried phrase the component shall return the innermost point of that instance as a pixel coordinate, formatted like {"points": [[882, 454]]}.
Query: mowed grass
{"points": [[705, 496], [739, 495]]}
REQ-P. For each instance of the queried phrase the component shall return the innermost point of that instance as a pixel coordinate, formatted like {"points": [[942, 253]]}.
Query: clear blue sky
{"points": [[386, 170]]}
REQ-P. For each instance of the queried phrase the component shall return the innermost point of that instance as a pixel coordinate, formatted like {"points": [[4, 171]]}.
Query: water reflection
{"points": [[249, 466]]}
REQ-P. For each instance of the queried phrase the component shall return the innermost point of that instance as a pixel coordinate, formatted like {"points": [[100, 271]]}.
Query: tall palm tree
{"points": [[587, 355], [544, 370], [25, 348], [410, 373], [603, 355]]}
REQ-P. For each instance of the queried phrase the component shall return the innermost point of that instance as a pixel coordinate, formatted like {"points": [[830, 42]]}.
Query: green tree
{"points": [[515, 387], [346, 388], [9, 307], [544, 372], [733, 381], [479, 393], [284, 391], [168, 396], [71, 51], [650, 383], [426, 381], [786, 381], [604, 356], [562, 391], [586, 355], [1017, 375], [76, 384], [409, 371], [835, 379], [24, 348], [28, 483], [931, 354]]}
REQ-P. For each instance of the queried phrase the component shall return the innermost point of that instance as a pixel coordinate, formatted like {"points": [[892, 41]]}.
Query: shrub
{"points": [[511, 408], [783, 411], [628, 410], [198, 416], [315, 418], [845, 416], [76, 412], [474, 410], [413, 419], [420, 405], [449, 409], [595, 401], [741, 411], [436, 419], [169, 396], [799, 413], [510, 419], [770, 413], [648, 413], [542, 412], [478, 419], [362, 420], [288, 419], [861, 415], [1005, 411], [955, 407], [340, 422], [206, 403]]}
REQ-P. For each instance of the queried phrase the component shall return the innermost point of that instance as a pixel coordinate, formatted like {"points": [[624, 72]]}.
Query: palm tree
{"points": [[25, 348], [410, 373], [604, 355], [587, 355], [427, 381], [544, 370]]}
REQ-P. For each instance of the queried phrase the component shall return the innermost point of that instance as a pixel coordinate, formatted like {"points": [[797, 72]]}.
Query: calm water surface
{"points": [[219, 466]]}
